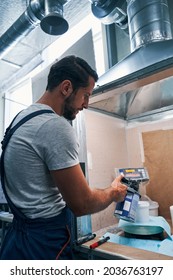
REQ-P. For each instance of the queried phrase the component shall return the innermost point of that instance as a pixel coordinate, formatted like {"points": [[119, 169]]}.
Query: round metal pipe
{"points": [[109, 12], [148, 22], [28, 21], [53, 23]]}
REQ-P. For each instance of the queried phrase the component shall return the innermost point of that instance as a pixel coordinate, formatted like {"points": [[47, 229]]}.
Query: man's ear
{"points": [[66, 87]]}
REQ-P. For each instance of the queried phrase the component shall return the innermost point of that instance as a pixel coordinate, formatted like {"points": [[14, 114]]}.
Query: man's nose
{"points": [[85, 105]]}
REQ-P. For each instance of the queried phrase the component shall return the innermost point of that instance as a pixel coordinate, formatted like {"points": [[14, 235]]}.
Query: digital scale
{"points": [[126, 209], [139, 174]]}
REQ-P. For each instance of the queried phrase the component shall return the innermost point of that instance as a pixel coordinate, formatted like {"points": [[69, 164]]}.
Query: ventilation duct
{"points": [[49, 13], [151, 45], [148, 22], [110, 11], [53, 23]]}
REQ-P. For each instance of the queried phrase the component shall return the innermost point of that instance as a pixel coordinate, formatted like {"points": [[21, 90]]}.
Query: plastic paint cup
{"points": [[171, 211], [142, 212]]}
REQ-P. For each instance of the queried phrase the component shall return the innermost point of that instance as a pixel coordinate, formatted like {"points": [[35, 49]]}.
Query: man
{"points": [[43, 177]]}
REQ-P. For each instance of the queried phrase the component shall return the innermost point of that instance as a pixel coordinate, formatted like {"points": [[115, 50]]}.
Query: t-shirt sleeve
{"points": [[57, 144]]}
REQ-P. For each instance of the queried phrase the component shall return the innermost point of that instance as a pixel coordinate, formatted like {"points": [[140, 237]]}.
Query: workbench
{"points": [[112, 251]]}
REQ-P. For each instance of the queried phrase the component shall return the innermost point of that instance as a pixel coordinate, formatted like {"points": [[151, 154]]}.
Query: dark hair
{"points": [[72, 68]]}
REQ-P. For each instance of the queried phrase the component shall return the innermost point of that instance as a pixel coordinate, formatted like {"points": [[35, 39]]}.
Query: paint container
{"points": [[153, 205], [142, 212], [171, 212], [126, 209], [153, 208]]}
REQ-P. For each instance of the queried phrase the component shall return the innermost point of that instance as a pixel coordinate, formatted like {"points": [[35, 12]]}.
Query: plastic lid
{"points": [[143, 204], [153, 205]]}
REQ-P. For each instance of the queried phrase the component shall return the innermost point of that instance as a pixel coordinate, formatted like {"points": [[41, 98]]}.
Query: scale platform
{"points": [[154, 236]]}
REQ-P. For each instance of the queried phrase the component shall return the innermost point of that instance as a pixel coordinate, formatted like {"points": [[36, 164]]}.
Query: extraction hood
{"points": [[151, 60]]}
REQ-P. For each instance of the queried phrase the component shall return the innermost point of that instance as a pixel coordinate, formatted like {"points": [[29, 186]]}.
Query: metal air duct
{"points": [[151, 45], [110, 11], [54, 23], [49, 13], [148, 22]]}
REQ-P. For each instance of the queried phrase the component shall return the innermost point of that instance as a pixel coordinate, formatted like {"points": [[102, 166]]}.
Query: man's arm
{"points": [[82, 199]]}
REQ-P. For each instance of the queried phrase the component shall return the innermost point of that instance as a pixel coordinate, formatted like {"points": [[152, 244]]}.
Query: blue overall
{"points": [[34, 239]]}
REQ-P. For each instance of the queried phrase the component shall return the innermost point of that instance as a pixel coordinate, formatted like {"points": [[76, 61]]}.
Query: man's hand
{"points": [[120, 189]]}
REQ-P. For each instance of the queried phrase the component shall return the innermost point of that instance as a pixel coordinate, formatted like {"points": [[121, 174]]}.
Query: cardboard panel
{"points": [[158, 152]]}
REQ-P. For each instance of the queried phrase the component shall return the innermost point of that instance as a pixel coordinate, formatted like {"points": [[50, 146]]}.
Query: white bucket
{"points": [[142, 212], [153, 206], [171, 212]]}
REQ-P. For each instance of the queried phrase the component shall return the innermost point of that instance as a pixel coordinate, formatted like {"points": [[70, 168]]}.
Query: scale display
{"points": [[136, 174]]}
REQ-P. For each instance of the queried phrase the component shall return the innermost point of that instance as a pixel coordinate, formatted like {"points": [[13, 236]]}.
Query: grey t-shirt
{"points": [[46, 142]]}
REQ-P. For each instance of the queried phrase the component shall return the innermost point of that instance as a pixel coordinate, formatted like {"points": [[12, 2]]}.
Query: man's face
{"points": [[78, 100]]}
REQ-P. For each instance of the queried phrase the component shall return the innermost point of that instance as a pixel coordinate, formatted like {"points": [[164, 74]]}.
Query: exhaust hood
{"points": [[150, 60], [144, 62]]}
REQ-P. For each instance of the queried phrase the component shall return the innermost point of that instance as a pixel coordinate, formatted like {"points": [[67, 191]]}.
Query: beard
{"points": [[69, 112]]}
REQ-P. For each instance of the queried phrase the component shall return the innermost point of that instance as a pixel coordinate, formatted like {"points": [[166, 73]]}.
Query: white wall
{"points": [[106, 147]]}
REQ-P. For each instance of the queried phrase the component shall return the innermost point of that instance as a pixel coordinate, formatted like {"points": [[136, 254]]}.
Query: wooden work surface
{"points": [[117, 251]]}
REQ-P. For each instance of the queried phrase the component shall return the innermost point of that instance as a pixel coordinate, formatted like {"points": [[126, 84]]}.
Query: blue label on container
{"points": [[127, 209]]}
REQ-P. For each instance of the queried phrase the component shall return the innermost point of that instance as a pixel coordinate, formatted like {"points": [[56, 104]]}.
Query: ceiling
{"points": [[126, 98], [30, 47], [140, 85]]}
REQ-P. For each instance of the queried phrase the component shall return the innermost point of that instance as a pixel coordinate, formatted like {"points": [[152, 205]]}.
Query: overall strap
{"points": [[9, 132]]}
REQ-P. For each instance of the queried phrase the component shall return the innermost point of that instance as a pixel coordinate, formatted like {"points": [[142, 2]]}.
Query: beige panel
{"points": [[106, 145], [158, 150], [137, 155]]}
